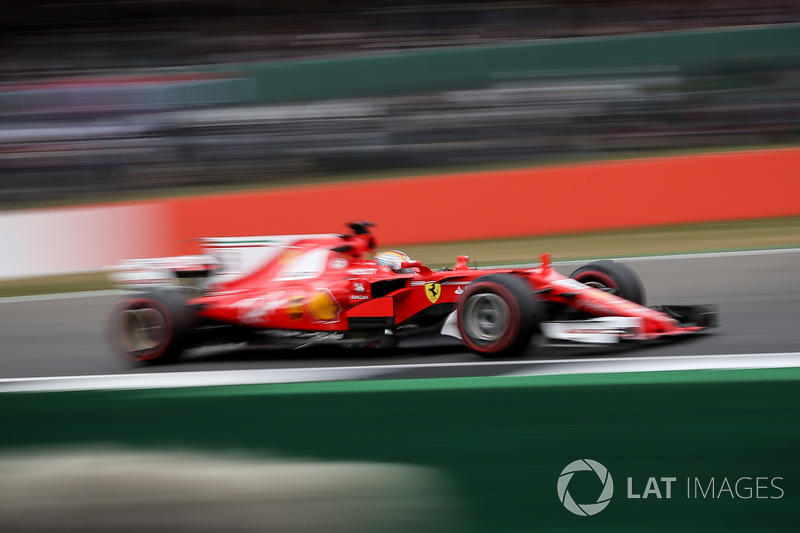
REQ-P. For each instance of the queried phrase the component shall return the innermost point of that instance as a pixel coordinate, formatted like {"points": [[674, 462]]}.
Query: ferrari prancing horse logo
{"points": [[433, 291]]}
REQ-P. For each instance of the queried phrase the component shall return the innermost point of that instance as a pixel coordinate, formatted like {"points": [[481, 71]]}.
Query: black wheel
{"points": [[152, 328], [617, 278], [498, 315]]}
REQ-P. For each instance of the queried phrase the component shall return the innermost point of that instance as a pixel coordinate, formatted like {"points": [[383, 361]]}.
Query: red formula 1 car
{"points": [[294, 291]]}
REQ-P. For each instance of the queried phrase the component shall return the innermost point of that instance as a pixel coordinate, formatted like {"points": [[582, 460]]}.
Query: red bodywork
{"points": [[329, 284]]}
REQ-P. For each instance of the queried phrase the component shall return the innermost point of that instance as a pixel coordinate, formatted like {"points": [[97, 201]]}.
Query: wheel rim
{"points": [[486, 318], [598, 285], [143, 329], [599, 281]]}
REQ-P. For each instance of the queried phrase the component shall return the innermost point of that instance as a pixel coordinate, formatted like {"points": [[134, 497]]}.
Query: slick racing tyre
{"points": [[617, 278], [498, 315], [150, 329]]}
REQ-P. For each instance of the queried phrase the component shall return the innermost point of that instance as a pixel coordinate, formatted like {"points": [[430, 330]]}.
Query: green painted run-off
{"points": [[501, 441]]}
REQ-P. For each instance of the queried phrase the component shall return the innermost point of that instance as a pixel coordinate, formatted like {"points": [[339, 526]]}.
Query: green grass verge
{"points": [[674, 239], [686, 238], [84, 281]]}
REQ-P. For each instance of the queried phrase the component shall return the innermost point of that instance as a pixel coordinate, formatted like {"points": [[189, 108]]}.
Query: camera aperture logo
{"points": [[585, 509], [747, 487]]}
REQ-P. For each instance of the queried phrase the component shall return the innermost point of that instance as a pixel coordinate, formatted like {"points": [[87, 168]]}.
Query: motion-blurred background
{"points": [[125, 99], [102, 97]]}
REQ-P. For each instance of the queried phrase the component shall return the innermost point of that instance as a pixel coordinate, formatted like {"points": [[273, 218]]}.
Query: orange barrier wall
{"points": [[511, 203]]}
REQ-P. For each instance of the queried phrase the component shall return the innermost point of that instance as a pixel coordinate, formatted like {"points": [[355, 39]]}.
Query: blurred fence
{"points": [[533, 62], [243, 122]]}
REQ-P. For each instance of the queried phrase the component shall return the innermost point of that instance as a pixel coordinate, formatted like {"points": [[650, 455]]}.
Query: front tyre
{"points": [[498, 315], [616, 278], [150, 329]]}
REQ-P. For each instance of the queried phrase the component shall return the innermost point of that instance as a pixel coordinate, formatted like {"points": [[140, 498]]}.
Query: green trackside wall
{"points": [[484, 66], [502, 441]]}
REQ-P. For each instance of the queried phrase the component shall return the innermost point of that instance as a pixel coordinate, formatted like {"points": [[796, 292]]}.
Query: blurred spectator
{"points": [[53, 37], [86, 107]]}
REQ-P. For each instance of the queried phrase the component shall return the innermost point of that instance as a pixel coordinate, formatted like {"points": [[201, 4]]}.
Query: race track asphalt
{"points": [[758, 295]]}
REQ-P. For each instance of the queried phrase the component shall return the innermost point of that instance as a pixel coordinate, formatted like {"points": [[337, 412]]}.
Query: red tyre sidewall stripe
{"points": [[514, 317], [141, 303], [602, 277]]}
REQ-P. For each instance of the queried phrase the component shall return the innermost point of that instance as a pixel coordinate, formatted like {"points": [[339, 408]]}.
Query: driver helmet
{"points": [[394, 259]]}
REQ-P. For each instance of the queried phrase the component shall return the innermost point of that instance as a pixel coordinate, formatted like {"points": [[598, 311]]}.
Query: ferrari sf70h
{"points": [[301, 290]]}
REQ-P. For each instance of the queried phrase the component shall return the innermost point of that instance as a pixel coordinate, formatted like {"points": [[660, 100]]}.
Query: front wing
{"points": [[614, 329]]}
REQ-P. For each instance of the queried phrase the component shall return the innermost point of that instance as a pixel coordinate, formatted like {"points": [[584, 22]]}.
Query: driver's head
{"points": [[394, 259]]}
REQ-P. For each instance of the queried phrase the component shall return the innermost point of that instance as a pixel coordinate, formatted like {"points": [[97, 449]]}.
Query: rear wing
{"points": [[223, 259], [162, 271]]}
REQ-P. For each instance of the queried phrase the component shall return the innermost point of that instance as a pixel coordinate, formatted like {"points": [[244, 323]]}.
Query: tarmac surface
{"points": [[757, 292]]}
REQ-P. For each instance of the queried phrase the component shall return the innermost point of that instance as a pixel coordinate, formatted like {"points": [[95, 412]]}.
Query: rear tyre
{"points": [[617, 278], [150, 329], [498, 315]]}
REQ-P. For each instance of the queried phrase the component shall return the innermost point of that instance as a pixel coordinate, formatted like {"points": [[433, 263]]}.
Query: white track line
{"points": [[669, 257], [710, 255], [661, 364], [700, 255], [167, 380], [339, 373], [62, 296]]}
